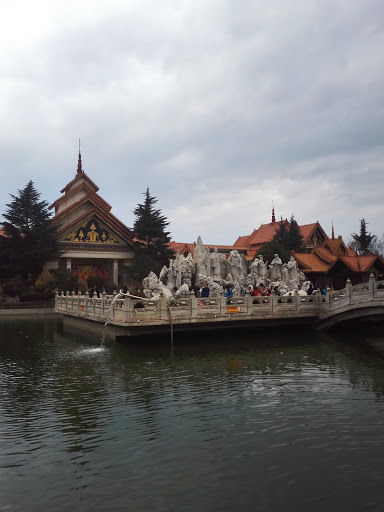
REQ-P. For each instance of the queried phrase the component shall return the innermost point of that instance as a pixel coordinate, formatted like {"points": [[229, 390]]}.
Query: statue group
{"points": [[205, 266]]}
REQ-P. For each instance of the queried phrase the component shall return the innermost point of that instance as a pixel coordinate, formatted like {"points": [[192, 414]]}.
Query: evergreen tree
{"points": [[281, 233], [364, 242], [271, 248], [294, 240], [30, 239], [151, 235]]}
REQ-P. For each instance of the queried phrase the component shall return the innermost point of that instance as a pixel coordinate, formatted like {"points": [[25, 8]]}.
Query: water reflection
{"points": [[238, 422]]}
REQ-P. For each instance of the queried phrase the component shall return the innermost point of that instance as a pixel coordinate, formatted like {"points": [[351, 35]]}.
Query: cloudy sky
{"points": [[220, 107]]}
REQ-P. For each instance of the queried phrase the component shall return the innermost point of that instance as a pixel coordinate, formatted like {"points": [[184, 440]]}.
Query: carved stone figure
{"points": [[187, 268], [263, 271], [215, 290], [254, 269], [170, 280], [293, 269], [177, 271], [215, 265], [285, 274], [199, 261], [236, 266], [149, 284], [207, 261], [223, 265], [163, 276], [276, 269]]}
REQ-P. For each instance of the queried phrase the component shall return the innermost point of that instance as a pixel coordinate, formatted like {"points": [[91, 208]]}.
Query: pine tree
{"points": [[30, 240], [364, 241], [294, 241], [281, 233], [150, 233], [269, 249]]}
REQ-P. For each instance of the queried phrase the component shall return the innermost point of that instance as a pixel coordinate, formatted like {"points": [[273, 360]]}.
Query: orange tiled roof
{"points": [[310, 262], [307, 230], [242, 240], [336, 245], [324, 253], [180, 247], [264, 234], [360, 263]]}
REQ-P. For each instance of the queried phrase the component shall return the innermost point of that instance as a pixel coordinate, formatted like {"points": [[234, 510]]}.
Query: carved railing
{"points": [[131, 310]]}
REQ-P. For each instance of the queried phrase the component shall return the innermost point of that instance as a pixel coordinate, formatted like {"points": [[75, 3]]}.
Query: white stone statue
{"points": [[187, 268], [263, 272], [150, 283], [215, 265], [184, 291], [236, 266], [285, 274], [177, 271], [199, 261], [276, 269], [254, 269], [214, 288], [293, 269], [163, 276], [223, 265], [170, 280], [207, 261]]}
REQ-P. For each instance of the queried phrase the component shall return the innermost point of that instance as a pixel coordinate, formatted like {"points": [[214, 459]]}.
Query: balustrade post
{"points": [[318, 298], [348, 289], [193, 301], [248, 301], [162, 305], [273, 301], [222, 302], [297, 300], [127, 308], [371, 285], [328, 297]]}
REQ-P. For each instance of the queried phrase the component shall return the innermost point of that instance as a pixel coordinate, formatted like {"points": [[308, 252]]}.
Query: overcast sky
{"points": [[219, 107]]}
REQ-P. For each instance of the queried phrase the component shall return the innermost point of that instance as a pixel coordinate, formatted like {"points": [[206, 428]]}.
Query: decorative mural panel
{"points": [[91, 232], [86, 271], [316, 239]]}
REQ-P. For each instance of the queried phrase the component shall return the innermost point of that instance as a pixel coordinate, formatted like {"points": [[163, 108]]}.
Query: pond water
{"points": [[251, 421]]}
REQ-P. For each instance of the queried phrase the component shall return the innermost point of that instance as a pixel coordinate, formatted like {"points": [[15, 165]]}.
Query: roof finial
{"points": [[333, 232], [273, 212], [79, 165]]}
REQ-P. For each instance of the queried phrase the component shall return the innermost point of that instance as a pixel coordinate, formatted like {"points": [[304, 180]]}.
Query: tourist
{"points": [[261, 291], [289, 297], [229, 295], [310, 289], [205, 291]]}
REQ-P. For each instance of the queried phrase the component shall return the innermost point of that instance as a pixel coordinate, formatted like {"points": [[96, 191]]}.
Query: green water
{"points": [[256, 421]]}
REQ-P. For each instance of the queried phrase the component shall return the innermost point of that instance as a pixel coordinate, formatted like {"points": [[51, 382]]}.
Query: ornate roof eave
{"points": [[78, 177], [93, 198], [124, 232], [300, 262], [316, 225]]}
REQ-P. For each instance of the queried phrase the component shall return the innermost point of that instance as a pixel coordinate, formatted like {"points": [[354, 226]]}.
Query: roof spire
{"points": [[273, 212], [79, 165], [333, 232]]}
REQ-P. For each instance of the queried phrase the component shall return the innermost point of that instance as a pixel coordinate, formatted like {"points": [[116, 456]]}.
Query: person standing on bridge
{"points": [[205, 291]]}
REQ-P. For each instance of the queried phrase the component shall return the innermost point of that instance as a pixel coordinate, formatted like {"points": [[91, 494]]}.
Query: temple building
{"points": [[93, 240]]}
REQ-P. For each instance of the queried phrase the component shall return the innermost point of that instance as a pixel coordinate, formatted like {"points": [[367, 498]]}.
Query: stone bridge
{"points": [[131, 316]]}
